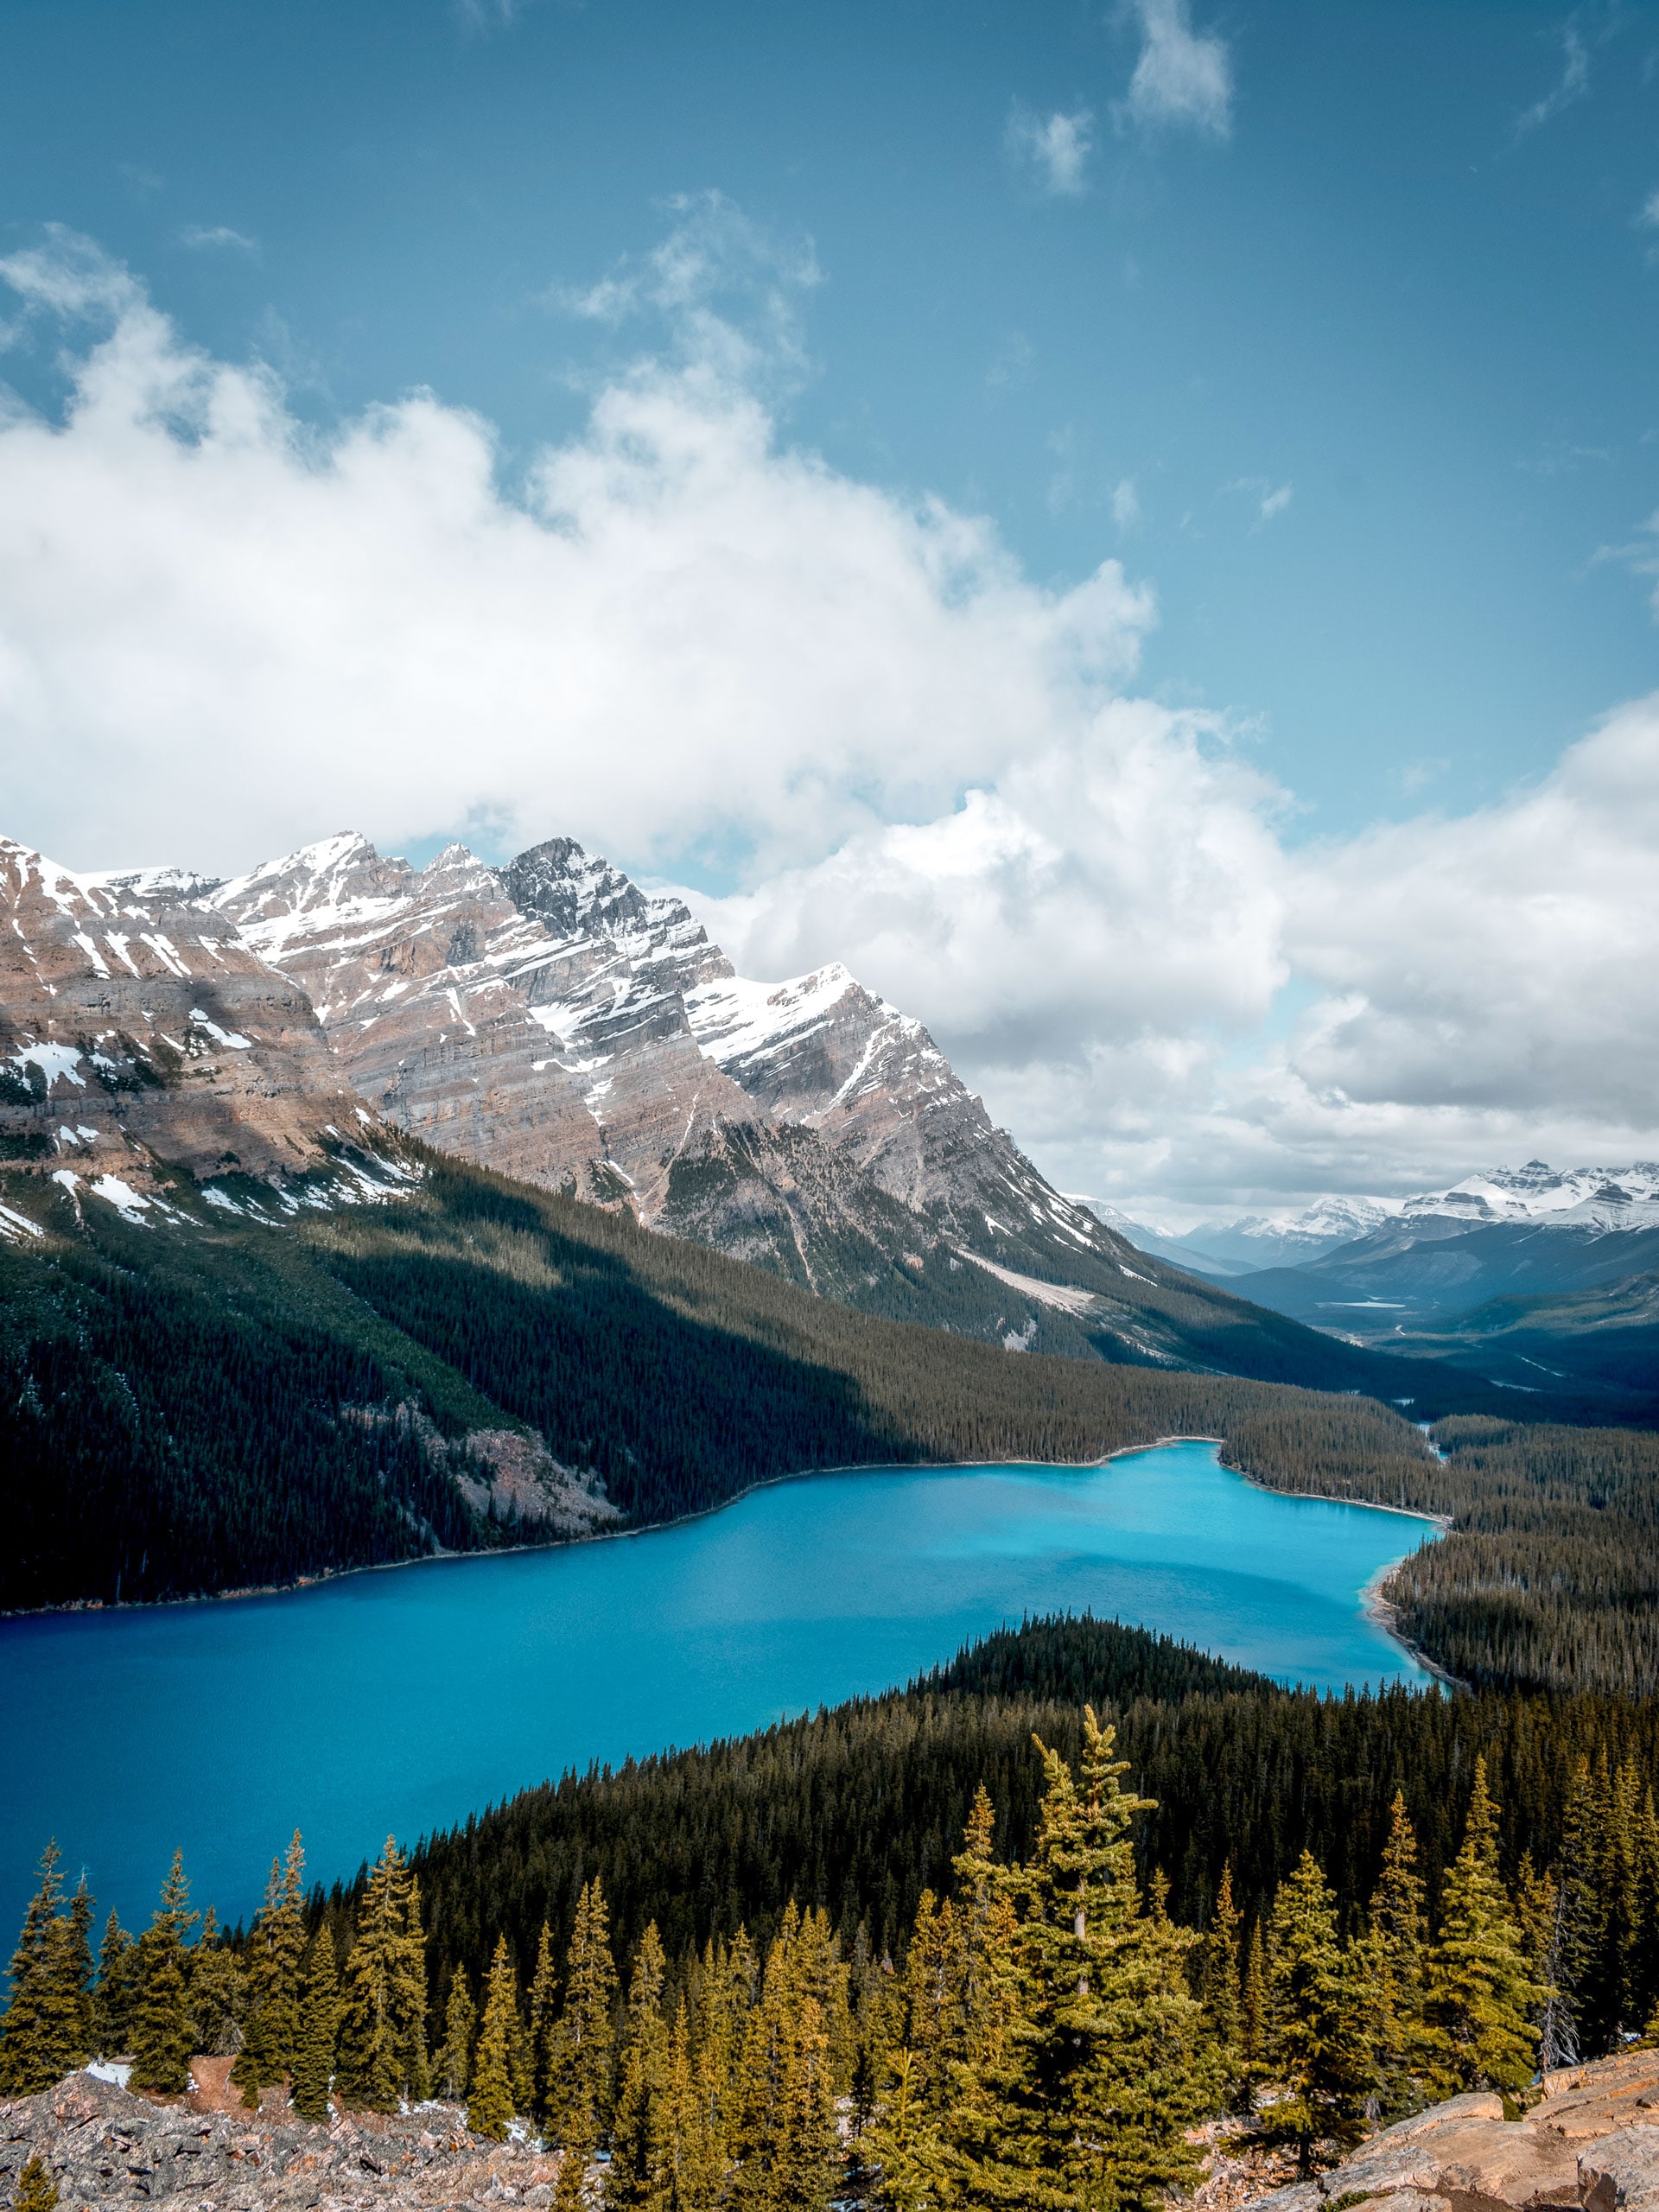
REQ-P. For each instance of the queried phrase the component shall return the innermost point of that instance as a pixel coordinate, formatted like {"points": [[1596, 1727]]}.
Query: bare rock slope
{"points": [[105, 2146], [134, 1019]]}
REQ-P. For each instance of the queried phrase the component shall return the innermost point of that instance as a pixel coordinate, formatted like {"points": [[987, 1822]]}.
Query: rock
{"points": [[105, 2147], [1462, 2156], [135, 1020], [1621, 2174]]}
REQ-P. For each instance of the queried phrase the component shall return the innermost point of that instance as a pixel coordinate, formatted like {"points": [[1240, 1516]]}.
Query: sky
{"points": [[1134, 526]]}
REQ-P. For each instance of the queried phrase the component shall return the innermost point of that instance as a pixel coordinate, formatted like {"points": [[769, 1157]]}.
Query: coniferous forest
{"points": [[984, 1940]]}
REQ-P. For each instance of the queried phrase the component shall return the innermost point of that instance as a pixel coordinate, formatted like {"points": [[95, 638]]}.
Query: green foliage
{"points": [[112, 2000], [454, 2063], [37, 2190], [163, 2030], [47, 2029], [382, 2013], [218, 1988], [632, 2179], [1393, 1967], [272, 1963], [1480, 1998], [582, 2045], [1317, 2046], [489, 2104], [319, 2029]]}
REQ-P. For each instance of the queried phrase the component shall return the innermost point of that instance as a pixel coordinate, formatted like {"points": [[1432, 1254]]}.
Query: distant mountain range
{"points": [[551, 1021], [1539, 1280]]}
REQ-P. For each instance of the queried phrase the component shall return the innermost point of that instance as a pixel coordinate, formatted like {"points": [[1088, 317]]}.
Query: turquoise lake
{"points": [[401, 1700]]}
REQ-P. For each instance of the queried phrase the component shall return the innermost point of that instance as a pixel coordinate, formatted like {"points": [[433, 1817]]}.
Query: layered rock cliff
{"points": [[134, 1019]]}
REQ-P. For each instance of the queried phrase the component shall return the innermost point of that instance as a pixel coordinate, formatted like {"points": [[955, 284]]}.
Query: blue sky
{"points": [[1333, 325], [1385, 287]]}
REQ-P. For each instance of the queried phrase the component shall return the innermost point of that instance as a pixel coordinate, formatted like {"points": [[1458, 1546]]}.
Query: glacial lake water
{"points": [[401, 1701]]}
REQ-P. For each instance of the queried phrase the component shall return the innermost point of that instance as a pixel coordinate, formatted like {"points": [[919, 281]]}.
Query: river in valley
{"points": [[403, 1700]]}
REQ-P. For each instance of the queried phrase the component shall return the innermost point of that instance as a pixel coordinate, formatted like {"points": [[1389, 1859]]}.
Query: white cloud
{"points": [[1126, 504], [1270, 498], [1182, 76], [1648, 219], [1054, 147], [681, 638], [1574, 84], [220, 235]]}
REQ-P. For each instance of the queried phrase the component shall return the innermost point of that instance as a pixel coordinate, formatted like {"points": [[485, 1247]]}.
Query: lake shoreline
{"points": [[1374, 1606]]}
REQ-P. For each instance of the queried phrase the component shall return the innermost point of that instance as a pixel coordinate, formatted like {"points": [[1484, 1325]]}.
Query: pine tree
{"points": [[1481, 1999], [37, 2190], [112, 1999], [163, 2032], [319, 2029], [46, 2030], [275, 1946], [630, 2179], [383, 2012], [543, 2021], [1394, 1954], [454, 2060], [218, 1990], [1253, 2015], [786, 2135], [1103, 2072], [579, 2073], [1316, 2043], [683, 2155], [489, 2103], [1220, 1986]]}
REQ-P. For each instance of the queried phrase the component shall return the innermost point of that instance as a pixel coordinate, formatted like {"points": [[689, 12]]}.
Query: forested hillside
{"points": [[217, 1400], [961, 1930]]}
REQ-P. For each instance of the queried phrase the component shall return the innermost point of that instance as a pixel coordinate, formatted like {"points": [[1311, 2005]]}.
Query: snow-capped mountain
{"points": [[1602, 1198], [135, 1019], [1235, 1247]]}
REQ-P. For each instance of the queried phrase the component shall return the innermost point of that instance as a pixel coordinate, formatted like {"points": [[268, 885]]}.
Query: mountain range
{"points": [[1538, 1279], [551, 1021]]}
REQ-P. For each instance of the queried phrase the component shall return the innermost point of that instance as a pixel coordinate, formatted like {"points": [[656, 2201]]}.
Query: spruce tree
{"points": [[1582, 1910], [489, 2103], [1394, 1954], [631, 2179], [1253, 2015], [383, 2009], [785, 2137], [1219, 1986], [37, 2190], [112, 1999], [454, 2060], [45, 2032], [318, 2028], [543, 2021], [163, 2032], [275, 1946], [1104, 2072], [1316, 2042], [682, 2154], [72, 1975], [1482, 2000], [579, 2074], [218, 1990]]}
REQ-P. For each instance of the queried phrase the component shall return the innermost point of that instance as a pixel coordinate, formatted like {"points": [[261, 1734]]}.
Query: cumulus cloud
{"points": [[677, 636], [1182, 76], [1054, 149]]}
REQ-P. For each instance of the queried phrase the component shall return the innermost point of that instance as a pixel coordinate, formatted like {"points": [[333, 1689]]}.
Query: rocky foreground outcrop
{"points": [[105, 2146], [1592, 2141]]}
